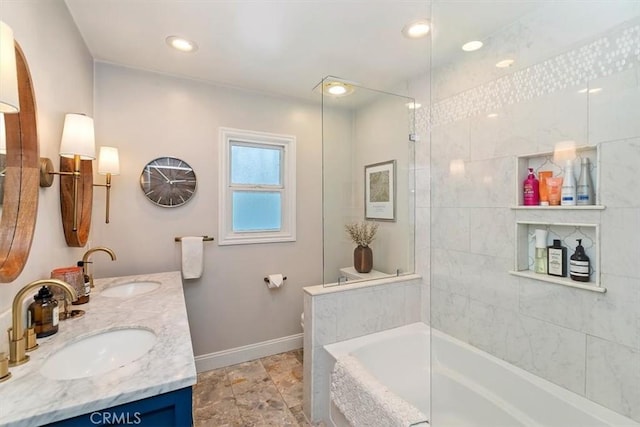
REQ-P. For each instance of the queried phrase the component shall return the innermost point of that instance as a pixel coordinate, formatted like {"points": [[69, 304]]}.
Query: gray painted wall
{"points": [[149, 115]]}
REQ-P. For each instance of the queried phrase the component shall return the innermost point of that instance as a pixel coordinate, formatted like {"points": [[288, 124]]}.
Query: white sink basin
{"points": [[130, 289], [97, 354]]}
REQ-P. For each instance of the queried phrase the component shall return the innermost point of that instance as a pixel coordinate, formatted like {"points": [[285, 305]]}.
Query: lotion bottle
{"points": [[580, 265], [531, 190], [568, 186], [540, 260]]}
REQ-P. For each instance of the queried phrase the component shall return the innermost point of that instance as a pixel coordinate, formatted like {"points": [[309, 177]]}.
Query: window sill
{"points": [[252, 240]]}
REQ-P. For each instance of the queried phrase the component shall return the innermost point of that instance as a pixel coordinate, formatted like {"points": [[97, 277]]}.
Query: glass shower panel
{"points": [[570, 89], [367, 134]]}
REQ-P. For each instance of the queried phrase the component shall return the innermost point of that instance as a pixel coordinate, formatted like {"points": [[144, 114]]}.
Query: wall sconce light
{"points": [[108, 164], [78, 143], [9, 101]]}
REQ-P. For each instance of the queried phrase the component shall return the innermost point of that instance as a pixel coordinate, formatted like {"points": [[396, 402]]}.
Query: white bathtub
{"points": [[470, 387]]}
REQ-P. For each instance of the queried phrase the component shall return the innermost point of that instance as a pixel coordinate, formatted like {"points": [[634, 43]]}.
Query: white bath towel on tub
{"points": [[365, 401]]}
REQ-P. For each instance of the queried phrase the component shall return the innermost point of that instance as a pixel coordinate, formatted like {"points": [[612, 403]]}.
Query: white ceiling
{"points": [[284, 47]]}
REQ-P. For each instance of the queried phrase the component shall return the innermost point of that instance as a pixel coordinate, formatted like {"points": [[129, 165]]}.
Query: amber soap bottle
{"points": [[44, 313]]}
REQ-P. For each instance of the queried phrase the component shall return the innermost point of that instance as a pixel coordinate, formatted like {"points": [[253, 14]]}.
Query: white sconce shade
{"points": [[108, 162], [3, 135], [78, 137], [9, 101]]}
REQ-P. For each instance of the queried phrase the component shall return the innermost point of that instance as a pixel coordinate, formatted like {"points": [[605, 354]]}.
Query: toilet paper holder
{"points": [[266, 279]]}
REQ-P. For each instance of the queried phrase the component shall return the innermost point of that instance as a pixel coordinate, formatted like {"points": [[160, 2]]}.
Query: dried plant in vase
{"points": [[362, 234]]}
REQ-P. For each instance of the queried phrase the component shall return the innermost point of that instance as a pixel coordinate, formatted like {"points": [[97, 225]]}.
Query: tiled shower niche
{"points": [[555, 162], [567, 233]]}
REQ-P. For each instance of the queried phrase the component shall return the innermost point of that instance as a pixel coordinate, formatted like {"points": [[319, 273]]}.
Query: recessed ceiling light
{"points": [[472, 45], [181, 44], [416, 29], [492, 115], [335, 88], [505, 63], [413, 105]]}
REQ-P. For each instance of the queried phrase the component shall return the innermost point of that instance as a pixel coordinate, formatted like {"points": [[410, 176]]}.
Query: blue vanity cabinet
{"points": [[172, 409]]}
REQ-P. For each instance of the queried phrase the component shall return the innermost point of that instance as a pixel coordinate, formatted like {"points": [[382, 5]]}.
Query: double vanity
{"points": [[128, 359]]}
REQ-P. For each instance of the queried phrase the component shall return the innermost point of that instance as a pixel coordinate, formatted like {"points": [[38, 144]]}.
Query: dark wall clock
{"points": [[168, 182]]}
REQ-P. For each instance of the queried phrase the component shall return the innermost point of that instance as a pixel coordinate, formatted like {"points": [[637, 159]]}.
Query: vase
{"points": [[363, 259]]}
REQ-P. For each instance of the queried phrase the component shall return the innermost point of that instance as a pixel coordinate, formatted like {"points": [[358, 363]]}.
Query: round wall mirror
{"points": [[20, 181]]}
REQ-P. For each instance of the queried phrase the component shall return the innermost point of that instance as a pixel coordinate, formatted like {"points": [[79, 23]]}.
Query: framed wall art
{"points": [[380, 191]]}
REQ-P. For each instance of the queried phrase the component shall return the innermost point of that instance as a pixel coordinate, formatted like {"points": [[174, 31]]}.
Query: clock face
{"points": [[168, 182]]}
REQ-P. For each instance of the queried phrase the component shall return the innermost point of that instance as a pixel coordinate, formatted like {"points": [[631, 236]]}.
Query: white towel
{"points": [[365, 401], [192, 262]]}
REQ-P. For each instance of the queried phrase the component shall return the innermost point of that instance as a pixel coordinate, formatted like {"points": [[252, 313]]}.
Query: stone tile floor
{"points": [[262, 392]]}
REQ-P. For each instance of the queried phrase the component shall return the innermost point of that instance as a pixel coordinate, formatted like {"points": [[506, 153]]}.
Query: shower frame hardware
{"points": [[204, 239]]}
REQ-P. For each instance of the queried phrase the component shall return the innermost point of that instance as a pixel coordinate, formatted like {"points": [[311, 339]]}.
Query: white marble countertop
{"points": [[28, 398]]}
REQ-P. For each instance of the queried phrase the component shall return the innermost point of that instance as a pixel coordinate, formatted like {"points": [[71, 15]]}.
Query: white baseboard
{"points": [[233, 356]]}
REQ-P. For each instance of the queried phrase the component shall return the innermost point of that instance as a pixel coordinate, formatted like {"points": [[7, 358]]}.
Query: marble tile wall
{"points": [[584, 341], [344, 312]]}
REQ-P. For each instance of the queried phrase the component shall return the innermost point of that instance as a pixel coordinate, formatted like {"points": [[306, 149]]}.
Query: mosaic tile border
{"points": [[619, 50]]}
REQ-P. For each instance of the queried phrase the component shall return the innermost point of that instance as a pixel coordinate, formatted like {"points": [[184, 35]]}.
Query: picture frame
{"points": [[380, 191]]}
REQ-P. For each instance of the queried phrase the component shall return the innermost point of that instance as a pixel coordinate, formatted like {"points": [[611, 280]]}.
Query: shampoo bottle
{"points": [[580, 266], [557, 256], [568, 186], [531, 190], [540, 261], [585, 186]]}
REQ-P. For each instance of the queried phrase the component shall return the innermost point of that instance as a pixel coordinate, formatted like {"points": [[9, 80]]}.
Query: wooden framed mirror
{"points": [[20, 180]]}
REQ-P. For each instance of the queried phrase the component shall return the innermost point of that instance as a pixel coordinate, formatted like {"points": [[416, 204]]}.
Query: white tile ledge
{"points": [[558, 281], [558, 208], [360, 284]]}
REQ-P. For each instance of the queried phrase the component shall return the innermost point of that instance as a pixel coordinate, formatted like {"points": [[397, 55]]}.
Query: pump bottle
{"points": [[540, 261], [580, 265]]}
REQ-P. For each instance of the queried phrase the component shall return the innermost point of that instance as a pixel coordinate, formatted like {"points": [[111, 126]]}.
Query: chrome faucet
{"points": [[17, 346], [85, 260]]}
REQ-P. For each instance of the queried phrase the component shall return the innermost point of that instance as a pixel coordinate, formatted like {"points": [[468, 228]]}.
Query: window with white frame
{"points": [[257, 197]]}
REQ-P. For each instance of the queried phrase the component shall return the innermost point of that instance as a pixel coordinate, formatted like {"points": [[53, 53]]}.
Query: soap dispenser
{"points": [[580, 265], [540, 261], [44, 313]]}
